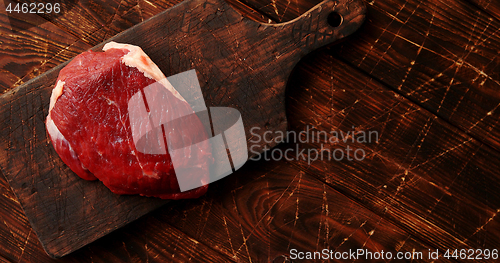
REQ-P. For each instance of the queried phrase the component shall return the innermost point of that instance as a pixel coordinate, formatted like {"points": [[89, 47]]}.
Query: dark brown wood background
{"points": [[424, 74]]}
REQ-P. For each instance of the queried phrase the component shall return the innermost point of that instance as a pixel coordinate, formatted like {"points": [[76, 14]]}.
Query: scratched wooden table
{"points": [[425, 75]]}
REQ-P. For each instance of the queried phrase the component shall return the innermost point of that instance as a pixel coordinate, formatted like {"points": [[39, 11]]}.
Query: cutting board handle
{"points": [[324, 24]]}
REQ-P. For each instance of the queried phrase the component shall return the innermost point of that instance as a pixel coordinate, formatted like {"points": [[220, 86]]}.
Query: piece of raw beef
{"points": [[89, 125]]}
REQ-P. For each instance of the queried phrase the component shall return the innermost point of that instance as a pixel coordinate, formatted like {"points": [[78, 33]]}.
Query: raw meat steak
{"points": [[90, 129]]}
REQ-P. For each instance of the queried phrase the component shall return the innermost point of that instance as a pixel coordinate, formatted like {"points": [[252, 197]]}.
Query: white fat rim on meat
{"points": [[54, 132], [52, 129], [56, 93], [150, 69], [56, 135]]}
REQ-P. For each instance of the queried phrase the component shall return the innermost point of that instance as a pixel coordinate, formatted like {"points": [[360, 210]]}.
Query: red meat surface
{"points": [[92, 132]]}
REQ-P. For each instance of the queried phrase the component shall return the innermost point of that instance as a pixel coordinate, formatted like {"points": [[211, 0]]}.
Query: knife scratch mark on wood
{"points": [[482, 119], [229, 236], [324, 208], [148, 2], [481, 228], [294, 223], [245, 242], [396, 34], [394, 18], [24, 246], [267, 214], [207, 213], [412, 63], [452, 182]]}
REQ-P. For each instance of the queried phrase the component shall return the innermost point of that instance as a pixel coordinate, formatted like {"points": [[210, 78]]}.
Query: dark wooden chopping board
{"points": [[240, 63]]}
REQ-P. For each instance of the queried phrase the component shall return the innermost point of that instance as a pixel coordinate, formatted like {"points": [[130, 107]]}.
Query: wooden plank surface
{"points": [[489, 6], [456, 60], [457, 63], [240, 63], [433, 187], [274, 207], [430, 182], [31, 52]]}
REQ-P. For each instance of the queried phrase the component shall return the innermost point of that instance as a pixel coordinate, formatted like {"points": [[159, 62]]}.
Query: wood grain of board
{"points": [[456, 64], [489, 6], [274, 207], [245, 66], [43, 47]]}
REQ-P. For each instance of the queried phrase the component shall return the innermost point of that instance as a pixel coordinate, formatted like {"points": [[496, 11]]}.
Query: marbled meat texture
{"points": [[89, 126]]}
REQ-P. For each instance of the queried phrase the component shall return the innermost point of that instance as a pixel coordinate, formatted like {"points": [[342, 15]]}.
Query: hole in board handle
{"points": [[335, 19]]}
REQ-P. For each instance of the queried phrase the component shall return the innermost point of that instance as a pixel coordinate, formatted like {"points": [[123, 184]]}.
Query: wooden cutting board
{"points": [[240, 63]]}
